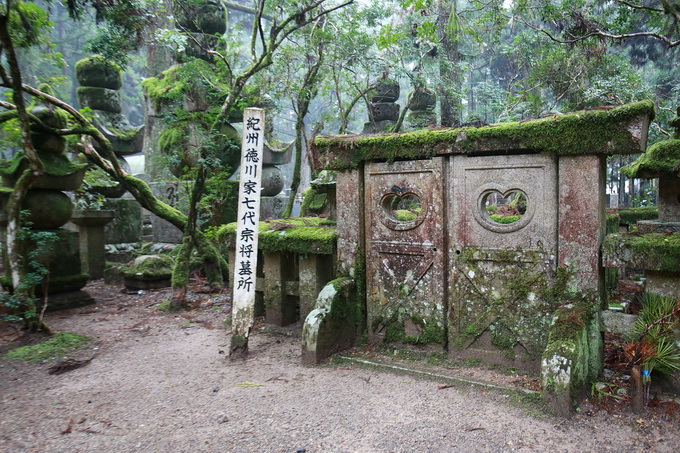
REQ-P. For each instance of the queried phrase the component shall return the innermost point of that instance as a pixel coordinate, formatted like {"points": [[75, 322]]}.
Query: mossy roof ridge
{"points": [[615, 131], [662, 157], [653, 251], [300, 235]]}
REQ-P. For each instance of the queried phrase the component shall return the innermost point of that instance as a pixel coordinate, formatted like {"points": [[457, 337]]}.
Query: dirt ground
{"points": [[161, 382]]}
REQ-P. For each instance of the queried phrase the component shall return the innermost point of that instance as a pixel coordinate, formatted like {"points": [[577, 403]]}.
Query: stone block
{"points": [[350, 214], [581, 222], [126, 225], [332, 325]]}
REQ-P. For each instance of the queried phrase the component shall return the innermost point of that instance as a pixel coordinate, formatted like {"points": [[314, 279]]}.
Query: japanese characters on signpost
{"points": [[243, 300]]}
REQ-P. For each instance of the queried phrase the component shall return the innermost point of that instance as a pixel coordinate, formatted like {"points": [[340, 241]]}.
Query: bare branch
{"points": [[604, 34], [635, 6]]}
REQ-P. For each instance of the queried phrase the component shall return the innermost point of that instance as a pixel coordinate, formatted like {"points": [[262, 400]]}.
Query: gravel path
{"points": [[162, 383]]}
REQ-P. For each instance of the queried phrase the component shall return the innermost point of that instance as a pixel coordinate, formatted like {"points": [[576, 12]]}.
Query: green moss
{"points": [[404, 215], [432, 330], [54, 164], [313, 202], [156, 267], [587, 132], [173, 139], [58, 346], [238, 341], [302, 235], [654, 251], [612, 224], [633, 215], [662, 157], [98, 71], [499, 218]]}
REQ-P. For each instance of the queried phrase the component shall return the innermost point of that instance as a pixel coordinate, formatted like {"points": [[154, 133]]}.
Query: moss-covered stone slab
{"points": [[655, 251], [97, 71], [660, 158], [60, 172], [125, 138], [98, 98], [302, 235], [621, 130]]}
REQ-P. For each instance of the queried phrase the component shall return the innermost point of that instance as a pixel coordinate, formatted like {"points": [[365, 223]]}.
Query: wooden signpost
{"points": [[243, 282]]}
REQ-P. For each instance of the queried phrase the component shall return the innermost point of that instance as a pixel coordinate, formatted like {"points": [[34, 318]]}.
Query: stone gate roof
{"points": [[607, 131]]}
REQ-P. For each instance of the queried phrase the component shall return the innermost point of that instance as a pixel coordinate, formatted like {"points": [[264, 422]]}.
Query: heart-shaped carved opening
{"points": [[505, 208], [402, 208]]}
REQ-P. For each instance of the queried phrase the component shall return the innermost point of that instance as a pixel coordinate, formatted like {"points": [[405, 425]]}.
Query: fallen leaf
{"points": [[248, 384]]}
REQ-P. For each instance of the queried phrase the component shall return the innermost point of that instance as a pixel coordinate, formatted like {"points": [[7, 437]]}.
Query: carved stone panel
{"points": [[502, 256], [405, 246]]}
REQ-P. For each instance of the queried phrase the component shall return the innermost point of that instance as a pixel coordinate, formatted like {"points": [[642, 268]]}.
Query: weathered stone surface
{"points": [[404, 258], [314, 272], [48, 143], [99, 99], [378, 127], [280, 156], [125, 138], [655, 226], [619, 323], [126, 225], [272, 180], [97, 71], [422, 100], [278, 269], [382, 111], [669, 198], [421, 119], [331, 326], [176, 194], [581, 218], [49, 208], [350, 226], [385, 91], [91, 231], [665, 283], [272, 207]]}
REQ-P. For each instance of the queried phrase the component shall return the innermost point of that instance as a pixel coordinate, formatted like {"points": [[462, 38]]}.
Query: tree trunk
{"points": [[17, 264], [636, 389], [449, 74]]}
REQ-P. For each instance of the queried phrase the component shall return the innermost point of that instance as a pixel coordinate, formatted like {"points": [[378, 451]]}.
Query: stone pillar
{"points": [[91, 229], [350, 213], [279, 310], [581, 222], [315, 272]]}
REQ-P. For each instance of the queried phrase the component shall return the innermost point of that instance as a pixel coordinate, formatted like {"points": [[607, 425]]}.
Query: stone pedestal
{"points": [[91, 229], [126, 225]]}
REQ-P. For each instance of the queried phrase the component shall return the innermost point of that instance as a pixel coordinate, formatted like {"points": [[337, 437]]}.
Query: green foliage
{"points": [[28, 23], [60, 345], [20, 304], [633, 215], [654, 327]]}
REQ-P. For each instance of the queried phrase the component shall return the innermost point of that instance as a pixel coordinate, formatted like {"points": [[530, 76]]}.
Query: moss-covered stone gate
{"points": [[486, 240]]}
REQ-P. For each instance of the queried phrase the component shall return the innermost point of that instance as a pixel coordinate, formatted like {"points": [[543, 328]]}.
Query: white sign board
{"points": [[245, 264]]}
